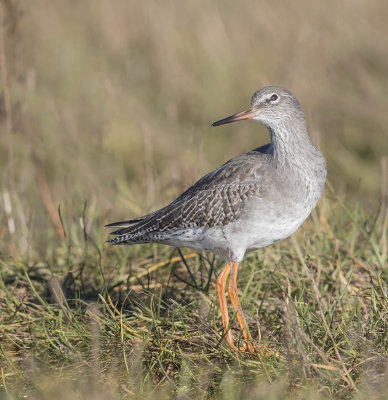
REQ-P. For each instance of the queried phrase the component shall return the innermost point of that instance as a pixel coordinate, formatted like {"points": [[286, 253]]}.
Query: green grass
{"points": [[88, 319], [105, 113]]}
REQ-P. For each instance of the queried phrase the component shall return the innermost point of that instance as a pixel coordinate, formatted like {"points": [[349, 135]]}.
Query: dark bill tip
{"points": [[224, 121], [247, 114]]}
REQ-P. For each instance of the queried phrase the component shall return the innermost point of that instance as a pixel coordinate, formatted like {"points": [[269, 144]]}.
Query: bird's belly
{"points": [[264, 234], [265, 227], [278, 215]]}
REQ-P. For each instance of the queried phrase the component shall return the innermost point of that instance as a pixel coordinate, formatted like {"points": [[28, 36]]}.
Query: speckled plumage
{"points": [[252, 200]]}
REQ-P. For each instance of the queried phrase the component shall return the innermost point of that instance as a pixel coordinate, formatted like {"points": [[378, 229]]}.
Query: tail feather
{"points": [[132, 229], [125, 224], [122, 239]]}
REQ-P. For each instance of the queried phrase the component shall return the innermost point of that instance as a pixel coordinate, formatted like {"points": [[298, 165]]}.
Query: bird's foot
{"points": [[247, 347], [259, 350]]}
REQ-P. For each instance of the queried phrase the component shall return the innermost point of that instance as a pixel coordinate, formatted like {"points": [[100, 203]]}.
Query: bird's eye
{"points": [[274, 98]]}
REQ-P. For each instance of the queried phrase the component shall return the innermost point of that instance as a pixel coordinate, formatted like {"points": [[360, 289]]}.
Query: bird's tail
{"points": [[131, 231]]}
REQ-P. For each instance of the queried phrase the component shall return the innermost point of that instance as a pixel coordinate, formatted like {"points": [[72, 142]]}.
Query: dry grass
{"points": [[105, 113]]}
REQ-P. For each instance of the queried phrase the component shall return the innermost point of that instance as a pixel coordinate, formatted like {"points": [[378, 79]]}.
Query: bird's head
{"points": [[271, 106]]}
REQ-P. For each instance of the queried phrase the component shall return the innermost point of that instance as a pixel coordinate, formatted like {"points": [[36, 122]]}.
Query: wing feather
{"points": [[215, 200]]}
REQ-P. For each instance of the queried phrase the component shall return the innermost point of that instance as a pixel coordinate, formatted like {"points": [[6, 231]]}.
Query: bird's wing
{"points": [[215, 200]]}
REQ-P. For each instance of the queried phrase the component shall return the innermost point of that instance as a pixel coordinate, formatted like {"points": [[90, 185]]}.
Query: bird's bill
{"points": [[246, 114]]}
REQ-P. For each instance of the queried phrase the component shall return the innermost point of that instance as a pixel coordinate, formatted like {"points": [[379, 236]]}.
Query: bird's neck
{"points": [[290, 142]]}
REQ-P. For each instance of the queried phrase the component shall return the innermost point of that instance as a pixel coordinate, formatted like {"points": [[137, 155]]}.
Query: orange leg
{"points": [[233, 296], [221, 288]]}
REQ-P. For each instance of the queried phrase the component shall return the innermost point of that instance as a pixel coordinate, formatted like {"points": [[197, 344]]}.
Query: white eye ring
{"points": [[274, 98]]}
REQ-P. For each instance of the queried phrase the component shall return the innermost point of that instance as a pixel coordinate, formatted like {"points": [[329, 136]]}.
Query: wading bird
{"points": [[251, 201]]}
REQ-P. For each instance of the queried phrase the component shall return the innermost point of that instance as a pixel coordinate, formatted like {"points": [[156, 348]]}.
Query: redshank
{"points": [[251, 201]]}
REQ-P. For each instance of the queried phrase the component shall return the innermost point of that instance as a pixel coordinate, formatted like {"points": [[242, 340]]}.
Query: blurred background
{"points": [[107, 106]]}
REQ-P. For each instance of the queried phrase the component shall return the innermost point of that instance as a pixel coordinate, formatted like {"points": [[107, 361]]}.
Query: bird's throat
{"points": [[289, 141]]}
